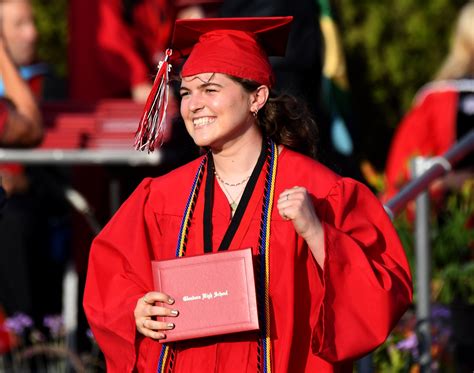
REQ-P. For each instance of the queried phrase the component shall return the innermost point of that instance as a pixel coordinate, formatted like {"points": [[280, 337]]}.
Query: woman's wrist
{"points": [[314, 238]]}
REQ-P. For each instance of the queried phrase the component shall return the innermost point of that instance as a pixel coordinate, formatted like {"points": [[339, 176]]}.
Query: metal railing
{"points": [[82, 157], [77, 157]]}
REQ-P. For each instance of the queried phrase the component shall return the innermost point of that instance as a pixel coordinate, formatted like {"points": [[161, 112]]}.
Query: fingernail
{"points": [[174, 312], [170, 300], [161, 336], [170, 325]]}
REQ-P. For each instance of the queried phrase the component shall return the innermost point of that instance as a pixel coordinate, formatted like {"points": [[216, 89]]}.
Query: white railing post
{"points": [[70, 305], [423, 268]]}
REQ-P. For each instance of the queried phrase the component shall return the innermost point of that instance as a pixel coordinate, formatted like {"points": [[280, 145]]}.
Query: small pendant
{"points": [[233, 206]]}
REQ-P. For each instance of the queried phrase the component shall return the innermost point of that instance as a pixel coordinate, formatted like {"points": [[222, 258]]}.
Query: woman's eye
{"points": [[183, 93], [210, 90]]}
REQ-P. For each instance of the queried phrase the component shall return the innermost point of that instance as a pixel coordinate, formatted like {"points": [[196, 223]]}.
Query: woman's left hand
{"points": [[295, 204]]}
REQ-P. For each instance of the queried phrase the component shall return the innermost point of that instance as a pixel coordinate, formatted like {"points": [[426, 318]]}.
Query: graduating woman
{"points": [[335, 276]]}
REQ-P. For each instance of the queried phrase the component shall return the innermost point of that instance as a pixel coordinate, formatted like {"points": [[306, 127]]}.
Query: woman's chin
{"points": [[202, 142]]}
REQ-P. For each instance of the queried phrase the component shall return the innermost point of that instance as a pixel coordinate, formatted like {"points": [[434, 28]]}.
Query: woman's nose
{"points": [[195, 103]]}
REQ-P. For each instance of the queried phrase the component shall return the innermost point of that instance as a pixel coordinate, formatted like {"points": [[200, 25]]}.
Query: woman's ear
{"points": [[259, 98]]}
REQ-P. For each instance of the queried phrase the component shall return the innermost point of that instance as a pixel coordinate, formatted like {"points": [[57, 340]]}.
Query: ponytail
{"points": [[286, 120]]}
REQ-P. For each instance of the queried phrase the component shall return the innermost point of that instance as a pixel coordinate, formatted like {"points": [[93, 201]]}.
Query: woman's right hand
{"points": [[150, 306]]}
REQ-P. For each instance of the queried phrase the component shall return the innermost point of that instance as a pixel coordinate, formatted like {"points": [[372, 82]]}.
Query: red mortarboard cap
{"points": [[234, 46]]}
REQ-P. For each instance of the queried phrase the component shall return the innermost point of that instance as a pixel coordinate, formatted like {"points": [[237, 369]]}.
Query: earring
{"points": [[254, 113]]}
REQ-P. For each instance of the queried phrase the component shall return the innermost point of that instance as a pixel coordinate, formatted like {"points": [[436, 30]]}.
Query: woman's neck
{"points": [[237, 161]]}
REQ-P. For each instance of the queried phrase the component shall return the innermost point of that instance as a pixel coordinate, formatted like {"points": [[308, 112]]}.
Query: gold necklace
{"points": [[230, 184]]}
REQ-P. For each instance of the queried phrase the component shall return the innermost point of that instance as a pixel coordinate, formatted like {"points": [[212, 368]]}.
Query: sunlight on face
{"points": [[216, 110]]}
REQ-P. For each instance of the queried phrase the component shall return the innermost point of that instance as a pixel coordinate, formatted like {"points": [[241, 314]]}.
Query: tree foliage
{"points": [[392, 49], [51, 21]]}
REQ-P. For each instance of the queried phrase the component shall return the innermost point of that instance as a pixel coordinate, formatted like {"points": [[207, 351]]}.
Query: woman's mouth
{"points": [[203, 121]]}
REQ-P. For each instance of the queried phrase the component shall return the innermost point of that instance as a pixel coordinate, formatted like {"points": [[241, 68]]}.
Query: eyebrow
{"points": [[202, 86]]}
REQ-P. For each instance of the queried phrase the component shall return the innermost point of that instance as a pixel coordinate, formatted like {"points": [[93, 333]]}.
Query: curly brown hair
{"points": [[286, 120]]}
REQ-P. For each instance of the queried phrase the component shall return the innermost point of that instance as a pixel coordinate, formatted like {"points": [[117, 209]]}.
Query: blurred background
{"points": [[391, 51], [362, 66]]}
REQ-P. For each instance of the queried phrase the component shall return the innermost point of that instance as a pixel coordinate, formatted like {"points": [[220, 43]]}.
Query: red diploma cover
{"points": [[214, 293]]}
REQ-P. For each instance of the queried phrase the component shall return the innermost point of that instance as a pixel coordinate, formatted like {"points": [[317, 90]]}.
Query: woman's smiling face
{"points": [[217, 110]]}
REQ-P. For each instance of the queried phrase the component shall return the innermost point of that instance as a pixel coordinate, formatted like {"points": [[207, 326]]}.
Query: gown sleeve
{"points": [[366, 277], [119, 273]]}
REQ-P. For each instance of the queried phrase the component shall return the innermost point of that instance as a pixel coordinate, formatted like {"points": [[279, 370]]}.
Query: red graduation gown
{"points": [[320, 319]]}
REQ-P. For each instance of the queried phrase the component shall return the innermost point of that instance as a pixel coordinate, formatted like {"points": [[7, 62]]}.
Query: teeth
{"points": [[202, 121]]}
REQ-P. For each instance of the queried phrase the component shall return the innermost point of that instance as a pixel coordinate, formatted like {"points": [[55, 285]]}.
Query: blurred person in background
{"points": [[123, 41], [26, 266], [132, 37], [443, 112], [20, 126], [20, 123]]}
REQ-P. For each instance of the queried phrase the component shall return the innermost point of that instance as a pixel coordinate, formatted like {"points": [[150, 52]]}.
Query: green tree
{"points": [[51, 20]]}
